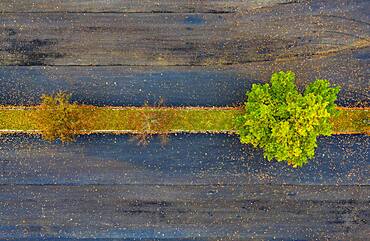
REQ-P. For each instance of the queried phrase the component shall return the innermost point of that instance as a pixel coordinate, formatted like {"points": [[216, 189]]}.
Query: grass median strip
{"points": [[352, 121], [165, 120]]}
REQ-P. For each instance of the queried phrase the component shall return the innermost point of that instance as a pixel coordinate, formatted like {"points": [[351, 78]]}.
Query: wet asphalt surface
{"points": [[186, 159], [122, 86]]}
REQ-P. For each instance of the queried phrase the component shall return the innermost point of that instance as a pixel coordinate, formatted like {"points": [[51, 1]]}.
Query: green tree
{"points": [[284, 122], [57, 118]]}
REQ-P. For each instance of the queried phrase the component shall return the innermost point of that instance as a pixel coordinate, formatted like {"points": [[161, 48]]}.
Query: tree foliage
{"points": [[154, 122], [57, 118], [284, 122]]}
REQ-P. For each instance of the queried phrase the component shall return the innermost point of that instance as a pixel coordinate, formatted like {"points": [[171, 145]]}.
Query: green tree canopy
{"points": [[284, 122]]}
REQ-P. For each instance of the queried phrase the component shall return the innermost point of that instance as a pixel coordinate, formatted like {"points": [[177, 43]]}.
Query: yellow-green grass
{"points": [[352, 120], [16, 119], [165, 120]]}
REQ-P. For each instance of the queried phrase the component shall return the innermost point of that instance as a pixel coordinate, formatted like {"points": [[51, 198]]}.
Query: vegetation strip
{"points": [[157, 120]]}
